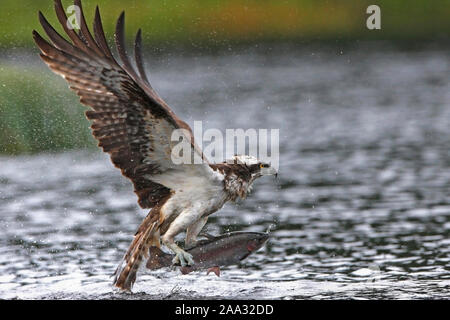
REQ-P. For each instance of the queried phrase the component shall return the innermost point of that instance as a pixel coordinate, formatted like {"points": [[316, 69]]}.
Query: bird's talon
{"points": [[189, 259], [183, 258]]}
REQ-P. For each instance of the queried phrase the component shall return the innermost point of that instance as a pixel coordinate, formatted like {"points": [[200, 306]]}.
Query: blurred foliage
{"points": [[195, 22], [33, 117]]}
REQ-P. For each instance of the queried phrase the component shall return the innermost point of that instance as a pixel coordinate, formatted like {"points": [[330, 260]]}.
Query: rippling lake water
{"points": [[361, 208]]}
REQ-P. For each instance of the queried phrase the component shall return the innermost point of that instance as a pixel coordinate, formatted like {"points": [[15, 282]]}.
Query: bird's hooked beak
{"points": [[269, 172]]}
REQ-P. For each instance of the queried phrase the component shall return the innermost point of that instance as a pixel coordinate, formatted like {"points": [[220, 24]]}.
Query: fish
{"points": [[215, 252]]}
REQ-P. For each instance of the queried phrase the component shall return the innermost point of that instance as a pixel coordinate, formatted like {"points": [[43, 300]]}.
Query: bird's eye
{"points": [[263, 165]]}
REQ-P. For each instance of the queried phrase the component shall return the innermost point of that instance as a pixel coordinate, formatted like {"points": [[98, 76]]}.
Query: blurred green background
{"points": [[29, 98], [213, 21]]}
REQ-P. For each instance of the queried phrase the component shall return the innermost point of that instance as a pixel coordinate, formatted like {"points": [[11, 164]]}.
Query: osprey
{"points": [[134, 126]]}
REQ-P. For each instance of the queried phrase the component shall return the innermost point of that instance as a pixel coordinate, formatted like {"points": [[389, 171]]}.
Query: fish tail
{"points": [[158, 259]]}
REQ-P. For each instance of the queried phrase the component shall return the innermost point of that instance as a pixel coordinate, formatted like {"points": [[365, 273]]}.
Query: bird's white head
{"points": [[256, 167]]}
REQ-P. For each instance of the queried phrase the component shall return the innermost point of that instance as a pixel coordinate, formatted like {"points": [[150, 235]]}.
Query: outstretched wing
{"points": [[129, 119]]}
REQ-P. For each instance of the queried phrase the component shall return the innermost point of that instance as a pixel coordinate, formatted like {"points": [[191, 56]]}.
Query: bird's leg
{"points": [[181, 223], [182, 257], [193, 231]]}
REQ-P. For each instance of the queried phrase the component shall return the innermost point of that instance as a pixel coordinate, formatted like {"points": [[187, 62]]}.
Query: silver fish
{"points": [[211, 254]]}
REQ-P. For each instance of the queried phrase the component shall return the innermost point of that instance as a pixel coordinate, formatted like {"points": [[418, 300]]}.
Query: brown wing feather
{"points": [[127, 115], [85, 32], [138, 57], [99, 35]]}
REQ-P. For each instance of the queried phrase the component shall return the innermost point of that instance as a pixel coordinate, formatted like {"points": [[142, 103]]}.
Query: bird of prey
{"points": [[134, 125]]}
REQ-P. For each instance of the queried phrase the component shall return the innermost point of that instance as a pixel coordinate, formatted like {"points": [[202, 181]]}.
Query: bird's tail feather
{"points": [[125, 274]]}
